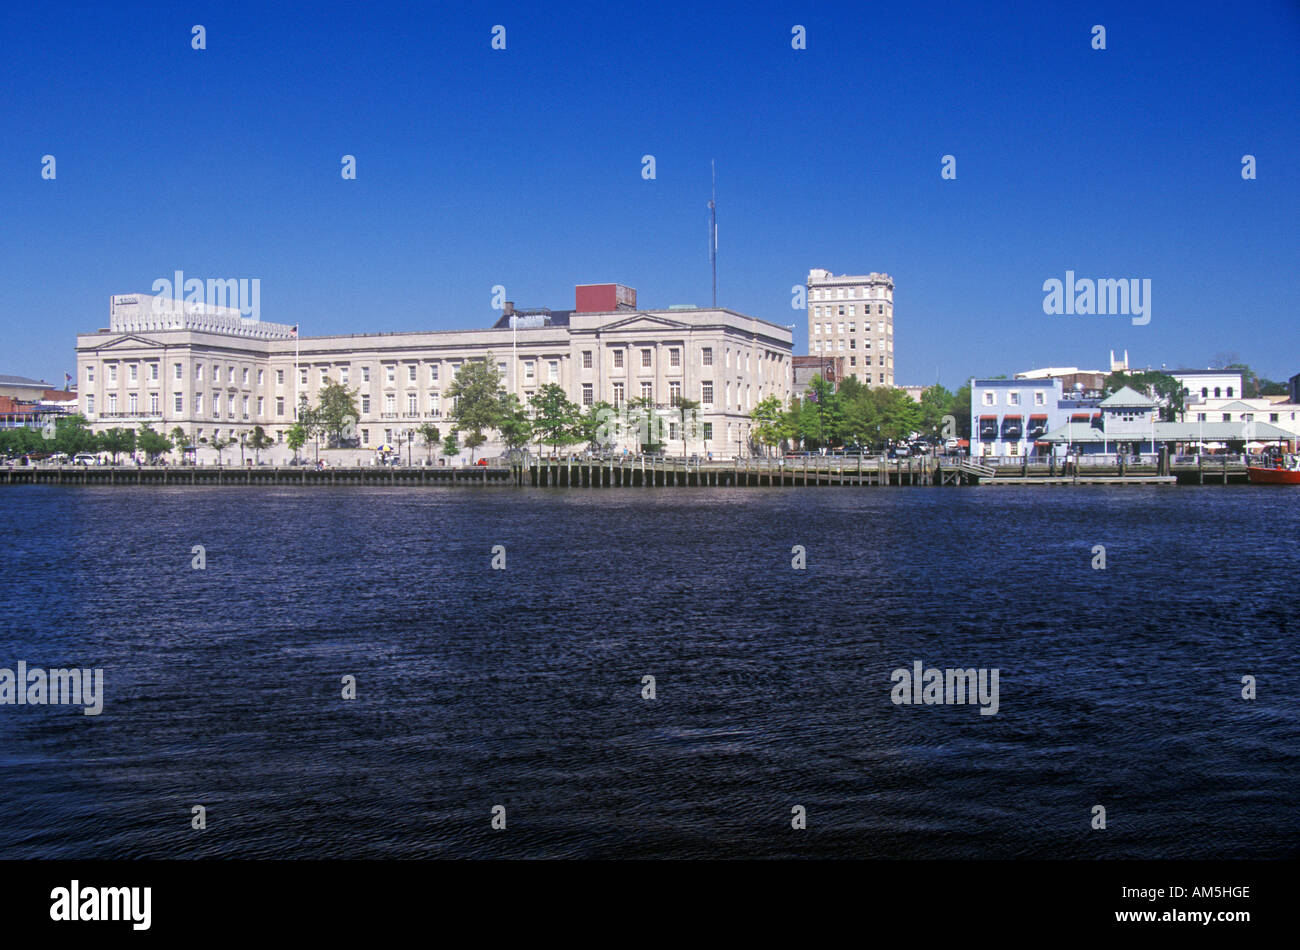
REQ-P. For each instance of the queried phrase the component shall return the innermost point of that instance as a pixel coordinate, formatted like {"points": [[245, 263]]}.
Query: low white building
{"points": [[1200, 385], [1129, 422], [1283, 414]]}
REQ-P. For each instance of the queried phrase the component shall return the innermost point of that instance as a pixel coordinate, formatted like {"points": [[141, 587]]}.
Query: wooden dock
{"points": [[648, 472], [664, 472], [1082, 480], [254, 475]]}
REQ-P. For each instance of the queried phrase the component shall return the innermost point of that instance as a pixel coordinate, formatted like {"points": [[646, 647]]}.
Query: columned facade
{"points": [[220, 379]]}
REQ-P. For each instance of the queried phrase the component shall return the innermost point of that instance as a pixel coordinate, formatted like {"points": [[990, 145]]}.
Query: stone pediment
{"points": [[644, 321], [128, 341]]}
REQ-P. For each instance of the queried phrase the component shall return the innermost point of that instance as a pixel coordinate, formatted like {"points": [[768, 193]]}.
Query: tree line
{"points": [[871, 418], [479, 404], [72, 435], [823, 416]]}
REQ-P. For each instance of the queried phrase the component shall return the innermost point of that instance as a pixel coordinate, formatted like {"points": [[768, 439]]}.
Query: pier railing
{"points": [[574, 471]]}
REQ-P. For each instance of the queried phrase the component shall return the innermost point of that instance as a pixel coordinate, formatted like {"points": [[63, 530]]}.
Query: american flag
{"points": [[294, 330]]}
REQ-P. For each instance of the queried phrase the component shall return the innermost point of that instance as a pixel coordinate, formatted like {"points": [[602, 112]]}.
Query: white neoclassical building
{"points": [[853, 317], [215, 373]]}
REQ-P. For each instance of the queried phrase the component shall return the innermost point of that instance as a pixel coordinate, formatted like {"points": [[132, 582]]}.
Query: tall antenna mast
{"points": [[713, 231]]}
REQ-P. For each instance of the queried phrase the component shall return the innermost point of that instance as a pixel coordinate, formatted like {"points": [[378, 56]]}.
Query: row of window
{"points": [[132, 372], [552, 368], [530, 368], [674, 433], [829, 311], [990, 397], [178, 371], [831, 347], [1245, 417], [434, 404], [844, 293], [112, 404], [132, 404], [866, 361], [828, 328]]}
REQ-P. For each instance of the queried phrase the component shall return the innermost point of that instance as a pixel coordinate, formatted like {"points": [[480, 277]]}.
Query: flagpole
{"points": [[296, 376], [713, 231]]}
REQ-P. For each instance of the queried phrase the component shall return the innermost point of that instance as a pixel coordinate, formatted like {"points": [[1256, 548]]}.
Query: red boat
{"points": [[1275, 476]]}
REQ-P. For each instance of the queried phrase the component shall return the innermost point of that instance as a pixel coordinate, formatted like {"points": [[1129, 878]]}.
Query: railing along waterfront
{"points": [[644, 471], [180, 475]]}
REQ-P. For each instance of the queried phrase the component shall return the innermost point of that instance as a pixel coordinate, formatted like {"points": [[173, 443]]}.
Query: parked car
{"points": [[84, 458], [60, 458]]}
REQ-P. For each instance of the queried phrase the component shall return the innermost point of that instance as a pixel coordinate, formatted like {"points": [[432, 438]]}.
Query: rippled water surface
{"points": [[478, 687]]}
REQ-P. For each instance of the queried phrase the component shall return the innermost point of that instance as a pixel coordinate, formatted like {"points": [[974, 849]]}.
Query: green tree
{"points": [[820, 413], [335, 413], [471, 441], [900, 415], [258, 441], [72, 434], [1253, 385], [513, 422], [118, 442], [936, 403], [313, 424], [771, 424], [21, 441], [476, 400], [861, 423], [961, 410], [555, 417], [431, 436], [685, 411], [589, 427], [648, 424], [152, 443], [296, 437], [180, 441], [851, 388], [790, 420], [450, 445], [1161, 387], [220, 445], [1169, 392]]}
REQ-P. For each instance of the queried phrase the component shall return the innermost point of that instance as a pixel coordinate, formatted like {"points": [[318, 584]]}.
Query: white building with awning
{"points": [[1128, 422]]}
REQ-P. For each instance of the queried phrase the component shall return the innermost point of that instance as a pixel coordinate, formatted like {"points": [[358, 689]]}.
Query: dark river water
{"points": [[523, 687]]}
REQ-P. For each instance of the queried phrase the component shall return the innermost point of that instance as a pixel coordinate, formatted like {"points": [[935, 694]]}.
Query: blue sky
{"points": [[522, 167]]}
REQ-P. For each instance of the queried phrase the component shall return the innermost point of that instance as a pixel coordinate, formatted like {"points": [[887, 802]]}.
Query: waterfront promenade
{"points": [[658, 471]]}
